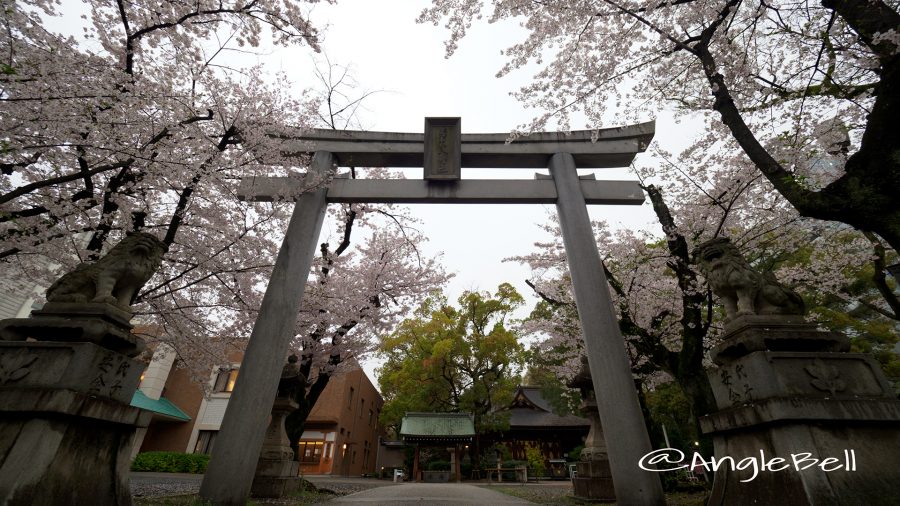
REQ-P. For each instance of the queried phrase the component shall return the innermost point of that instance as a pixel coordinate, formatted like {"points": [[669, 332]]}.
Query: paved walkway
{"points": [[379, 493], [429, 493]]}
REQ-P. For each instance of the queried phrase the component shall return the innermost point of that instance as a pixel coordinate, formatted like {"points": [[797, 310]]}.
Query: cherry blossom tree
{"points": [[666, 312], [132, 120], [146, 119], [791, 82]]}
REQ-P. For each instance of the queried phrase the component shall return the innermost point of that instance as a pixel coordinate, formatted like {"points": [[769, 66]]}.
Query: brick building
{"points": [[342, 432], [341, 435]]}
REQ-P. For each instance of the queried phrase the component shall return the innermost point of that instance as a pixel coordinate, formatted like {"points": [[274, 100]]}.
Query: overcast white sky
{"points": [[388, 51]]}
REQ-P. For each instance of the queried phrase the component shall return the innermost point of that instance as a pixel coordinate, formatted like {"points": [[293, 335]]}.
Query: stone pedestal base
{"points": [[66, 426], [750, 333], [277, 471], [80, 367], [275, 486], [276, 477], [98, 323], [593, 481], [63, 447], [52, 460], [835, 453], [826, 426]]}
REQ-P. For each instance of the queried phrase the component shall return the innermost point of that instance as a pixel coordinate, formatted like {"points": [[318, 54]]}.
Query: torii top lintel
{"points": [[608, 147]]}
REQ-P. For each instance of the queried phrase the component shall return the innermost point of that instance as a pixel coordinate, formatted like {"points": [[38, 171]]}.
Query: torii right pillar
{"points": [[620, 413]]}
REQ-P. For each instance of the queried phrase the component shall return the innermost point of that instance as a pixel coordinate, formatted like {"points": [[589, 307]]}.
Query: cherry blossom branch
{"points": [[109, 206], [172, 290], [23, 190], [660, 5], [693, 330], [279, 24], [636, 14], [230, 137], [733, 201], [545, 297], [402, 229], [784, 182], [349, 219], [869, 19], [7, 168], [129, 42], [347, 111], [67, 233]]}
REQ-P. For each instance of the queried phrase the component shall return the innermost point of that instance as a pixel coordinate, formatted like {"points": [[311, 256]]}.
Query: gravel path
{"points": [[148, 485], [540, 493], [164, 484], [430, 493], [168, 484]]}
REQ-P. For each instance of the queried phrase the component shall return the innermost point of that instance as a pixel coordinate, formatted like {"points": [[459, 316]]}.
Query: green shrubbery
{"points": [[170, 462], [438, 465], [535, 458], [512, 464]]}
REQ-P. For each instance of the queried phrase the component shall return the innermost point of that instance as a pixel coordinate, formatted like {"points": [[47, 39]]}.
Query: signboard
{"points": [[443, 153]]}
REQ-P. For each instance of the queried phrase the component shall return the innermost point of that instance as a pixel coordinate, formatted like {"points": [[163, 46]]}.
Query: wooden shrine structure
{"points": [[442, 151], [439, 430]]}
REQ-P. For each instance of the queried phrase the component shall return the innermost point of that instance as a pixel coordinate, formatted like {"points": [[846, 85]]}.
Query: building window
{"points": [[311, 451], [225, 380], [350, 399], [370, 417], [205, 440], [362, 406], [329, 445]]}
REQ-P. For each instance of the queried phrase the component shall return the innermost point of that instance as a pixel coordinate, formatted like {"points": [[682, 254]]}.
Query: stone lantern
{"points": [[593, 479]]}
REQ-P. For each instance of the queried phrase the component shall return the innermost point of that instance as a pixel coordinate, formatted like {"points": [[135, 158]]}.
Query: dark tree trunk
{"points": [[687, 365], [295, 421], [657, 440], [700, 396]]}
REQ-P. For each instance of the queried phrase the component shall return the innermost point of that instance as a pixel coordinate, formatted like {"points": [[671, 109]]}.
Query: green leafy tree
{"points": [[562, 399], [446, 358], [670, 408], [535, 459]]}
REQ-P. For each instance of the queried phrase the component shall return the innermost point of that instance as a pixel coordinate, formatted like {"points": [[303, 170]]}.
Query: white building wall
{"points": [[215, 412], [158, 371], [211, 412], [16, 300]]}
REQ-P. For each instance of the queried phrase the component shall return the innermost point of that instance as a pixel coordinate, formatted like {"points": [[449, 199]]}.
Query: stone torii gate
{"points": [[442, 151]]}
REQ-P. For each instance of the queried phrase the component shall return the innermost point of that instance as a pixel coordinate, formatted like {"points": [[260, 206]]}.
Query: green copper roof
{"points": [[437, 426], [161, 406]]}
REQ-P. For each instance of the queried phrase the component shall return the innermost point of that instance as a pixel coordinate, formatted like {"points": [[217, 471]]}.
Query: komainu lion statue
{"points": [[743, 290], [115, 278]]}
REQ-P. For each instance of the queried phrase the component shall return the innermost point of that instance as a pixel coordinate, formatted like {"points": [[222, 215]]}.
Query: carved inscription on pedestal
{"points": [[737, 382], [112, 371]]}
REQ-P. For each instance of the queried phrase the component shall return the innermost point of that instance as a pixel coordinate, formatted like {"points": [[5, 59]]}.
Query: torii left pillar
{"points": [[236, 452]]}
